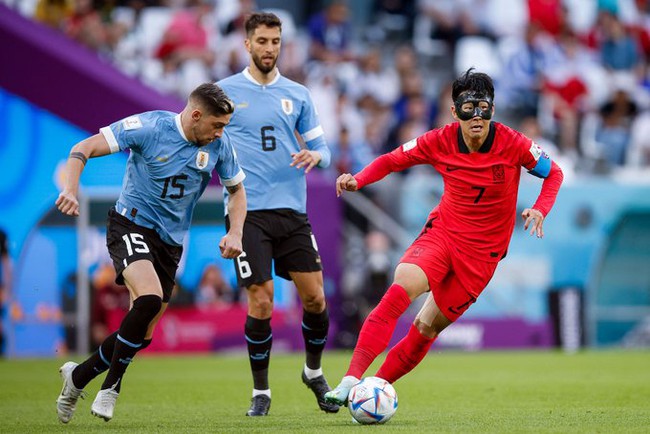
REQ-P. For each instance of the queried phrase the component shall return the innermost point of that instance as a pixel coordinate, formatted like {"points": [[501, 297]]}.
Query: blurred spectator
{"points": [[608, 139], [351, 156], [85, 26], [54, 13], [618, 49], [393, 21], [233, 55], [5, 284], [550, 15], [213, 289], [443, 113], [330, 34], [405, 60], [520, 86], [453, 19], [638, 154], [186, 48], [109, 300], [565, 91], [373, 79]]}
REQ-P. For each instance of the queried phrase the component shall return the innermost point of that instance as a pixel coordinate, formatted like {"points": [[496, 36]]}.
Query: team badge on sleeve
{"points": [[202, 159], [287, 106], [409, 145], [535, 150], [132, 123]]}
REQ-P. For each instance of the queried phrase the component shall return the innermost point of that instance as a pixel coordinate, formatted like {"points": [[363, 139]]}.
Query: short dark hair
{"points": [[478, 82], [213, 99], [257, 19]]}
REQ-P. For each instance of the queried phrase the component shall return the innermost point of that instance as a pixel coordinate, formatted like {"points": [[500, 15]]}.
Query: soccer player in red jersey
{"points": [[465, 236]]}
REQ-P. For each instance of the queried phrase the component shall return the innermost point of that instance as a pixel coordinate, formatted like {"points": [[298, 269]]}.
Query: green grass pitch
{"points": [[450, 392]]}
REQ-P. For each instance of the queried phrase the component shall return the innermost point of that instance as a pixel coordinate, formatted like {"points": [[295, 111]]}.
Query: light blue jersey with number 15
{"points": [[262, 132], [166, 173]]}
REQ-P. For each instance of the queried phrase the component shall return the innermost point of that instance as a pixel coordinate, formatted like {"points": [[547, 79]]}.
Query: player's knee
{"points": [[314, 303], [148, 306], [260, 307]]}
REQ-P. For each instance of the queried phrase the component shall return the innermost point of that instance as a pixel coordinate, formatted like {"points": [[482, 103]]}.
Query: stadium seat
{"points": [[478, 52]]}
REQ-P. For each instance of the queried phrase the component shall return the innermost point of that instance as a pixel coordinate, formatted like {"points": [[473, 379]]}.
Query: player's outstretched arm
{"points": [[94, 146], [534, 219], [231, 244], [346, 182]]}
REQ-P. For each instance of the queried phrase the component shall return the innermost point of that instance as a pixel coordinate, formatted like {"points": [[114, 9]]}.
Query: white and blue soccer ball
{"points": [[372, 400]]}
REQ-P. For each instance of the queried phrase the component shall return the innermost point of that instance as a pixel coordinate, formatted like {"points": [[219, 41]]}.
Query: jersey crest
{"points": [[287, 106], [202, 159], [498, 174]]}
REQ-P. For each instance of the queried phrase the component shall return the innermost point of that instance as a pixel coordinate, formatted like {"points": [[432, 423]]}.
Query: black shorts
{"points": [[128, 242], [281, 235]]}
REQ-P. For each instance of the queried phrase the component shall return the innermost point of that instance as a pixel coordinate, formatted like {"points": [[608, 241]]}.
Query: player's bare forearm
{"points": [[535, 219], [231, 244], [94, 146]]}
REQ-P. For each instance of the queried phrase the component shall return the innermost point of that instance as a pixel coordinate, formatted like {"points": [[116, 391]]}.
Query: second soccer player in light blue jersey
{"points": [[270, 109], [171, 162]]}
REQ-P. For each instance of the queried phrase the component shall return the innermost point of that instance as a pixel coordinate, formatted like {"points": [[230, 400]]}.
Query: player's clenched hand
{"points": [[230, 246], [345, 182], [531, 215], [305, 158], [67, 203]]}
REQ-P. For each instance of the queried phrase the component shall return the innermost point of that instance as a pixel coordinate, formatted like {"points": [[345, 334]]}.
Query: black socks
{"points": [[259, 340]]}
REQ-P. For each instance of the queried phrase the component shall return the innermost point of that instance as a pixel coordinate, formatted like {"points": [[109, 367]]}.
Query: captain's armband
{"points": [[543, 166]]}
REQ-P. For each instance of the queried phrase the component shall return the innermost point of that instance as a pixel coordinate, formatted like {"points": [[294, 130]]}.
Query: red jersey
{"points": [[478, 207]]}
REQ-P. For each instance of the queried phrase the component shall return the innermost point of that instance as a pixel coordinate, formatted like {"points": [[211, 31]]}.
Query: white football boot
{"points": [[104, 403], [66, 403], [340, 393]]}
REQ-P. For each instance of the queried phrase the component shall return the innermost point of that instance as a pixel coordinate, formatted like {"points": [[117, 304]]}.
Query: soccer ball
{"points": [[372, 400]]}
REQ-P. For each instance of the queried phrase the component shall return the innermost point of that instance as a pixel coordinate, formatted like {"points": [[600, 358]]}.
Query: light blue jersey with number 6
{"points": [[165, 173], [262, 130]]}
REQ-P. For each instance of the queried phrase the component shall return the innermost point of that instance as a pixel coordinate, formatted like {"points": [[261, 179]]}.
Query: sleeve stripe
{"points": [[234, 180], [313, 133], [110, 138]]}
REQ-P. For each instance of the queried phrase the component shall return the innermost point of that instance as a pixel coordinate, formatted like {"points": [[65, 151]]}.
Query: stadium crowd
{"points": [[573, 75]]}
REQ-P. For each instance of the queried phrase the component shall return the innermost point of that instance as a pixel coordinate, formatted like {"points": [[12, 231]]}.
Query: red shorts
{"points": [[455, 279]]}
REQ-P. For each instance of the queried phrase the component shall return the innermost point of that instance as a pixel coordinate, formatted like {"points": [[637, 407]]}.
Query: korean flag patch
{"points": [[535, 150], [409, 145], [132, 123]]}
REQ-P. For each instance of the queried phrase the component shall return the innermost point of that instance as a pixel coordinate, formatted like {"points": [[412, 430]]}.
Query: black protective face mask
{"points": [[475, 99]]}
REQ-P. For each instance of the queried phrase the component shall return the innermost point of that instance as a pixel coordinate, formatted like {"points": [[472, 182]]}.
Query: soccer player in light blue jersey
{"points": [[171, 162], [270, 109]]}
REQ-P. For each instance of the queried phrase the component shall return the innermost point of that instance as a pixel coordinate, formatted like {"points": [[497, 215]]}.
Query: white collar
{"points": [[248, 75], [179, 125]]}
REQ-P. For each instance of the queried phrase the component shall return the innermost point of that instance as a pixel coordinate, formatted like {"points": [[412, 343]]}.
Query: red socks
{"points": [[377, 329], [405, 356]]}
